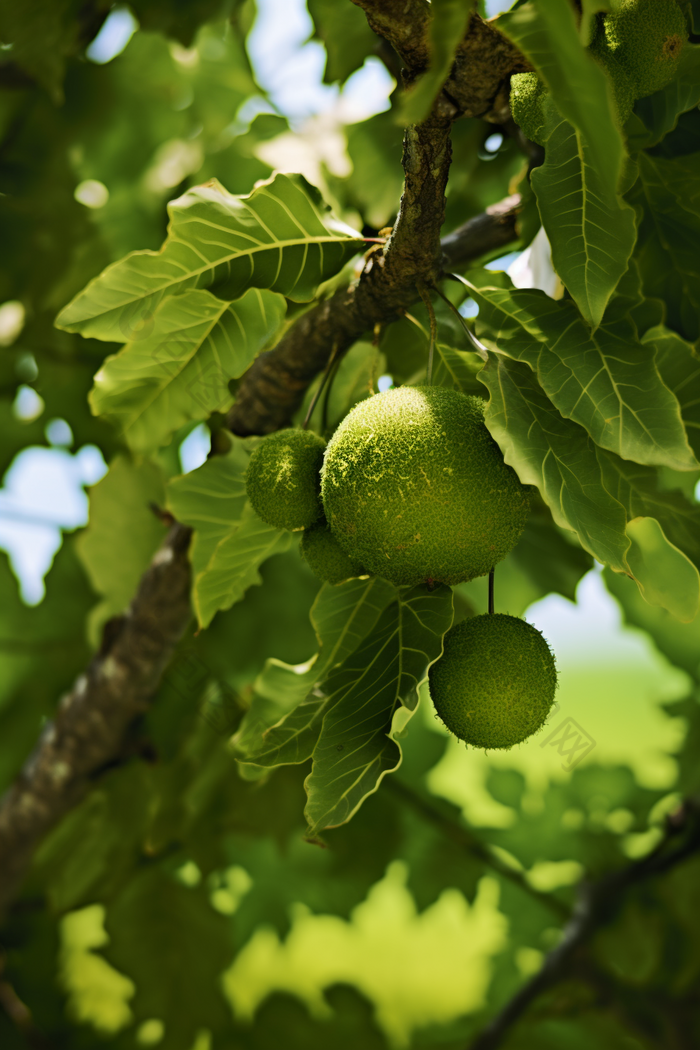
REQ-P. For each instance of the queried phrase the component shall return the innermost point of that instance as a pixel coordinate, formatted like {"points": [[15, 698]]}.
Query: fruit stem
{"points": [[425, 296], [492, 605], [476, 343], [321, 385]]}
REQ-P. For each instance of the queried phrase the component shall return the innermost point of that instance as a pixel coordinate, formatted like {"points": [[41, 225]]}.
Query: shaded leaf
{"points": [[669, 233], [174, 946], [181, 369], [657, 115], [665, 575], [280, 236], [555, 455], [273, 732], [356, 743]]}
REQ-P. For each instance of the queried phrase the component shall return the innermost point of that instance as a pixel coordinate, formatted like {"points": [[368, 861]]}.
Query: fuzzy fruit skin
{"points": [[326, 559], [527, 95], [415, 488], [645, 38], [283, 482], [495, 682]]}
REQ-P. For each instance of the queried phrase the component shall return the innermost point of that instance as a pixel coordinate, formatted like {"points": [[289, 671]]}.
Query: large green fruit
{"points": [[645, 39], [495, 683], [283, 480], [324, 556], [415, 488]]}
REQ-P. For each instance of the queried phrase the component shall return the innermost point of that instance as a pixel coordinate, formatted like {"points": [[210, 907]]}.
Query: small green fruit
{"points": [[326, 559], [495, 682], [283, 481], [527, 95], [415, 488]]}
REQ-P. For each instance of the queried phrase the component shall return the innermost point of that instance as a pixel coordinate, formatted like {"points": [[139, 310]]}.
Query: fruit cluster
{"points": [[639, 46], [413, 488]]}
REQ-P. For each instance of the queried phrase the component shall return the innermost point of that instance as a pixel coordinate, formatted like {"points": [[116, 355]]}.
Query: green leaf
{"points": [[210, 500], [450, 19], [122, 535], [657, 115], [456, 369], [346, 35], [591, 229], [280, 236], [181, 370], [666, 577], [669, 235], [233, 567], [368, 701], [606, 380], [272, 732], [557, 456]]}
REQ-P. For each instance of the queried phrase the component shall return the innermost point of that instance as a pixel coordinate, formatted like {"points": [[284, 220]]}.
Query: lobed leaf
{"points": [[280, 237]]}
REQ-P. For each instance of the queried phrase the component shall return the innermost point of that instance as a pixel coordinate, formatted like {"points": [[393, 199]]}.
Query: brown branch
{"points": [[274, 387], [597, 905], [89, 731], [90, 727]]}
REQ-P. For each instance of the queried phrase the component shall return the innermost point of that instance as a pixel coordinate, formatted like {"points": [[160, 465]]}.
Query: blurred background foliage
{"points": [[179, 906]]}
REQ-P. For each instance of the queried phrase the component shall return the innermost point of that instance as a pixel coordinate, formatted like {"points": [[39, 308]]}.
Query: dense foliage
{"points": [[236, 830]]}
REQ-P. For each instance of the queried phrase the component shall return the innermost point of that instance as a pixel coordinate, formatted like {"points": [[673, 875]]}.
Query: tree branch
{"points": [[273, 388], [90, 727], [432, 813], [597, 904]]}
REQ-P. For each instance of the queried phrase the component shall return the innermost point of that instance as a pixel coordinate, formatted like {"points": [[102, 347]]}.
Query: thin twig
{"points": [[597, 904], [324, 379], [463, 837], [425, 296], [492, 605]]}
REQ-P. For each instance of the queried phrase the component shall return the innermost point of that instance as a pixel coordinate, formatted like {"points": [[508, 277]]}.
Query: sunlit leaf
{"points": [[591, 229], [280, 236], [606, 380], [180, 371]]}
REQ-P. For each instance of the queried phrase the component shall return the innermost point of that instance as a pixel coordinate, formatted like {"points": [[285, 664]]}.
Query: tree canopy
{"points": [[229, 817]]}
